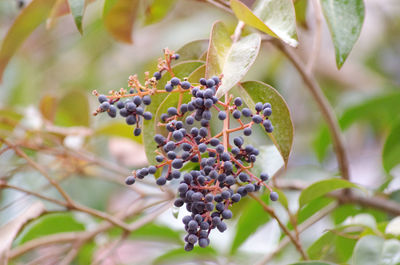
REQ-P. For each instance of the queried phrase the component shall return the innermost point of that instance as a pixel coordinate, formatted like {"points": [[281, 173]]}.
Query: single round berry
{"points": [[189, 120], [236, 197], [157, 75], [175, 56], [246, 112], [188, 247], [152, 169], [238, 141], [247, 131], [130, 180], [273, 196], [105, 106], [238, 102], [147, 115], [177, 135], [258, 107], [184, 108], [267, 112], [161, 181], [137, 131], [179, 202], [202, 147], [120, 105], [222, 115], [185, 85], [236, 114], [159, 139], [137, 100], [172, 111], [210, 83], [169, 87], [130, 120], [203, 81], [221, 227], [112, 111], [266, 105], [102, 98], [175, 81], [257, 119], [159, 158], [177, 163], [192, 239], [264, 176], [146, 100], [226, 214]]}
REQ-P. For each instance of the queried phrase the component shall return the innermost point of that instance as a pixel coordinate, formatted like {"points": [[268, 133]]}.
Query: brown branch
{"points": [[291, 236], [375, 202], [87, 235], [302, 227]]}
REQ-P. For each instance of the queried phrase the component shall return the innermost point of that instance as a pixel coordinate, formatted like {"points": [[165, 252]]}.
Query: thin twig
{"points": [[316, 46], [219, 5], [375, 202], [291, 236], [302, 227]]}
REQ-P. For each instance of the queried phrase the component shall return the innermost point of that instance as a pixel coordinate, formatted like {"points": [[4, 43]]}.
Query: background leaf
{"points": [[391, 149], [282, 136], [377, 110], [73, 110], [179, 254], [157, 10], [313, 262], [345, 19], [274, 17], [323, 187], [9, 231], [233, 60], [77, 8], [193, 50], [27, 21], [119, 17], [252, 217], [50, 224]]}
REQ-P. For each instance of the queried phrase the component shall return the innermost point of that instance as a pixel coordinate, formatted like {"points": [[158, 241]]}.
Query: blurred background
{"points": [[46, 100]]}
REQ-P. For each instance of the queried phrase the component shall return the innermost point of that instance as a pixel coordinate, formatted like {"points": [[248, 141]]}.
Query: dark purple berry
{"points": [[238, 101], [185, 85], [102, 98], [175, 81], [130, 180], [222, 115], [161, 181], [246, 112], [157, 75], [258, 107], [274, 196]]}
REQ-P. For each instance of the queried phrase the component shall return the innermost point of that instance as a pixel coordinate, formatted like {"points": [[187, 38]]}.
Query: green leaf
{"points": [[8, 120], [377, 110], [9, 231], [179, 255], [73, 110], [321, 246], [27, 21], [77, 8], [282, 136], [251, 218], [233, 60], [313, 262], [391, 149], [300, 7], [323, 187], [345, 19], [150, 127], [193, 50], [368, 250], [274, 17], [311, 208], [119, 17], [86, 253], [50, 224], [120, 129], [344, 248], [157, 10], [159, 232]]}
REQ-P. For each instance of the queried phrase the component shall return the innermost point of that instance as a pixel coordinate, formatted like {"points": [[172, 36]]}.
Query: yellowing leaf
{"points": [[119, 17], [27, 21], [274, 17]]}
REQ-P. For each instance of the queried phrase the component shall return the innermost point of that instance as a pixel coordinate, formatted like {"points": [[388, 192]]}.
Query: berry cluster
{"points": [[221, 173]]}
